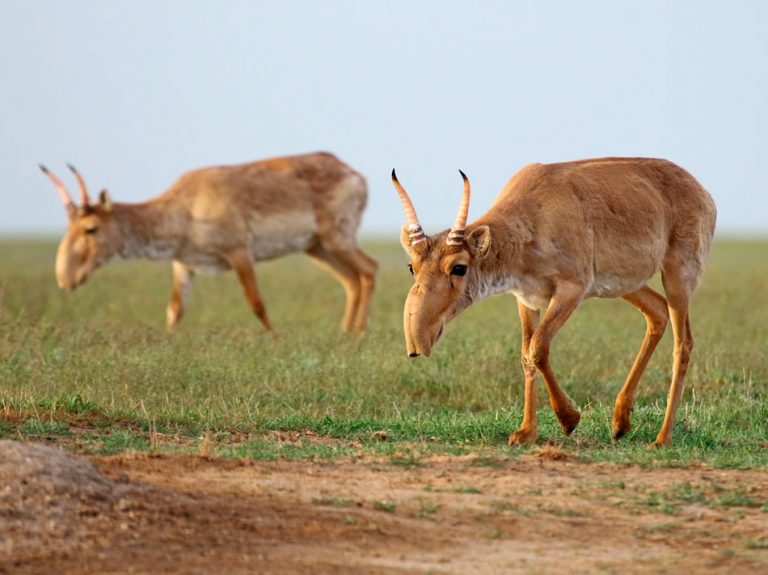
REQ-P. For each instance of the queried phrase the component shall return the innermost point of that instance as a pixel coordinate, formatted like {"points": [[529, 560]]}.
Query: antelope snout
{"points": [[417, 347], [66, 285], [413, 354], [419, 341], [421, 327]]}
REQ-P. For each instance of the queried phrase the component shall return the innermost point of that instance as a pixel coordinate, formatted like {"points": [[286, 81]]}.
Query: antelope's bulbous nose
{"points": [[419, 352], [64, 284], [70, 284]]}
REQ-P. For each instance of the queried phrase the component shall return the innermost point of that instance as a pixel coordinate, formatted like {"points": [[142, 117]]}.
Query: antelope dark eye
{"points": [[410, 268], [91, 231], [459, 270]]}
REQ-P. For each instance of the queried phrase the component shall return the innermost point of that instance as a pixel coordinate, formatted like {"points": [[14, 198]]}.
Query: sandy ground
{"points": [[543, 513]]}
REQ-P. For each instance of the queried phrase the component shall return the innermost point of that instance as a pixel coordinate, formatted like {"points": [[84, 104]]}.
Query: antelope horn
{"points": [[456, 235], [84, 199], [66, 199], [415, 233]]}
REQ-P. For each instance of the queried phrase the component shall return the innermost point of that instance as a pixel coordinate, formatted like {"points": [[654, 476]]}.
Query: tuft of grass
{"points": [[6, 430], [408, 460], [563, 511], [737, 498], [120, 441], [37, 428], [427, 508], [385, 505], [264, 449], [756, 543], [688, 493], [663, 528], [671, 499], [468, 489], [487, 462], [340, 502], [612, 484]]}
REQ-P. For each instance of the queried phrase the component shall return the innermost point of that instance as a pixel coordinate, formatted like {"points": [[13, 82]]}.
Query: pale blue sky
{"points": [[135, 92]]}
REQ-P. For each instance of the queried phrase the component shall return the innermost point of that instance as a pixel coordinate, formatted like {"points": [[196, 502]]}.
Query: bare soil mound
{"points": [[45, 494], [152, 513]]}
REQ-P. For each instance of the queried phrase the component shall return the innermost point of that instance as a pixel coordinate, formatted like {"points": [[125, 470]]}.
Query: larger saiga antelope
{"points": [[229, 217], [556, 235]]}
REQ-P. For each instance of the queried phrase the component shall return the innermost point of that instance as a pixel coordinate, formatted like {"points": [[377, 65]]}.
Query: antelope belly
{"points": [[268, 247]]}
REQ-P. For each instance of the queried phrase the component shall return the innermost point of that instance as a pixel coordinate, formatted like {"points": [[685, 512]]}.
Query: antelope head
{"points": [[445, 272], [92, 236]]}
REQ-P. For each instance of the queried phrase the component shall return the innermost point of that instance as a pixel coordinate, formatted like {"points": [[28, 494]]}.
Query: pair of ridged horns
{"points": [[66, 198], [415, 232]]}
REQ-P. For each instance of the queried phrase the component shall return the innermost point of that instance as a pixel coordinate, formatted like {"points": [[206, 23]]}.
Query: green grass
{"points": [[95, 369]]}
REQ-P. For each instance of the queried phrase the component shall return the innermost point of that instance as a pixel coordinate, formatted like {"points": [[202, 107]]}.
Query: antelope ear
{"points": [[479, 241], [105, 201], [405, 239]]}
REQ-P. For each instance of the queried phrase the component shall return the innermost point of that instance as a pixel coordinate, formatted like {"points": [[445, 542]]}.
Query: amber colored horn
{"points": [[456, 235], [66, 199], [84, 199], [415, 233]]}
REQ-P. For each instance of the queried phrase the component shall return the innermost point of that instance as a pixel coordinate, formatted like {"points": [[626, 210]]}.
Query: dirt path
{"points": [[538, 514]]}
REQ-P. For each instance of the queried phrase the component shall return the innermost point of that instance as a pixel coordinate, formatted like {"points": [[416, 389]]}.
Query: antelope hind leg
{"points": [[653, 305]]}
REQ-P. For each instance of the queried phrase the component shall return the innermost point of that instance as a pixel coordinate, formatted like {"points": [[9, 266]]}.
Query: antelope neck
{"points": [[147, 231], [494, 274]]}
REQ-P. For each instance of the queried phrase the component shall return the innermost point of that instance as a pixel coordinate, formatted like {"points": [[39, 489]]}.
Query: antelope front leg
{"points": [[182, 281], [240, 260], [527, 433], [566, 298]]}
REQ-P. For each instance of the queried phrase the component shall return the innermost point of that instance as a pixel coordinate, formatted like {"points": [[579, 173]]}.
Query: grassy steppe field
{"points": [[95, 369]]}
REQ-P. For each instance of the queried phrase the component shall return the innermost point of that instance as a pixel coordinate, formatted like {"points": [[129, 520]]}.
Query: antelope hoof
{"points": [[661, 442], [358, 335], [569, 420], [617, 434], [522, 436], [620, 426], [172, 318]]}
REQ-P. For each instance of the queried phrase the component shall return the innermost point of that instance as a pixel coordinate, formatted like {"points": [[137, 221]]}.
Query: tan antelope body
{"points": [[228, 217], [556, 235]]}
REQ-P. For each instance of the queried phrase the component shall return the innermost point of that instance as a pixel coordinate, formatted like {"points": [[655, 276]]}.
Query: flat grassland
{"points": [[409, 449]]}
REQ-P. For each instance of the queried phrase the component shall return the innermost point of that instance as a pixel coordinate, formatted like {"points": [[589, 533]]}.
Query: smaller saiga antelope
{"points": [[228, 217], [556, 235]]}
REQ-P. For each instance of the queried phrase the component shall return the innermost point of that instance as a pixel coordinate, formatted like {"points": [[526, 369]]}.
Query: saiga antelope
{"points": [[229, 217], [556, 235]]}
